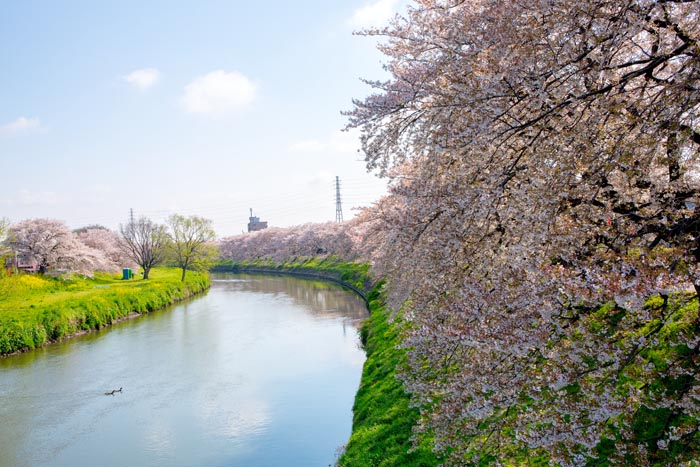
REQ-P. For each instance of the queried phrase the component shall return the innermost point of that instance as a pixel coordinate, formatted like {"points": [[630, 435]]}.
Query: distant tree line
{"points": [[50, 245], [280, 244]]}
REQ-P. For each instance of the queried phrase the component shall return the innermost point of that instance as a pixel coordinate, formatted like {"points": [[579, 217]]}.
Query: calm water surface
{"points": [[262, 371]]}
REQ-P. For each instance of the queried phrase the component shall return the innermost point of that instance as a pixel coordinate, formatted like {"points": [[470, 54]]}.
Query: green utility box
{"points": [[127, 274]]}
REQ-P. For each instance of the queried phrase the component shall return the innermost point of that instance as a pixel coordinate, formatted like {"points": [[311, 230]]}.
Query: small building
{"points": [[255, 224], [20, 263]]}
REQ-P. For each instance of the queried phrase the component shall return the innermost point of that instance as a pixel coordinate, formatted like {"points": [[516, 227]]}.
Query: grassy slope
{"points": [[35, 309], [383, 420]]}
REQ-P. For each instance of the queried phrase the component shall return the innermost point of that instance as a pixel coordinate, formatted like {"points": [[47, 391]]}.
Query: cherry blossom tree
{"points": [[4, 225], [55, 248], [4, 228], [108, 242], [544, 161], [281, 244]]}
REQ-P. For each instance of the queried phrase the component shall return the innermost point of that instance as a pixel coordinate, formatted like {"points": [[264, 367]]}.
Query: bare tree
{"points": [[191, 237], [145, 242]]}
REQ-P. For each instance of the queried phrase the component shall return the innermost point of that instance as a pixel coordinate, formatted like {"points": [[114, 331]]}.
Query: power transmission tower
{"points": [[131, 216], [338, 204]]}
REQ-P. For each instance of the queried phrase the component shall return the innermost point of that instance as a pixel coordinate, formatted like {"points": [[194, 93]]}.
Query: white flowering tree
{"points": [[285, 243], [4, 225], [544, 161], [53, 246], [108, 242]]}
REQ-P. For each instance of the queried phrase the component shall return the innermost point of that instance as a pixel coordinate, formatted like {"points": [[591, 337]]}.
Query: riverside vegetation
{"points": [[333, 268], [36, 309], [385, 418]]}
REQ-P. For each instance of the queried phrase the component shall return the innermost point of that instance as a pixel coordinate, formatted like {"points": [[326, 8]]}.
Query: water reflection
{"points": [[261, 371], [323, 299]]}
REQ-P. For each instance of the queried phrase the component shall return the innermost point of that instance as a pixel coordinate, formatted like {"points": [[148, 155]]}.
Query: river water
{"points": [[261, 371]]}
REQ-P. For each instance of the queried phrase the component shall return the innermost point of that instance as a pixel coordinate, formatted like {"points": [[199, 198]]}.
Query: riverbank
{"points": [[36, 310], [382, 417], [354, 276]]}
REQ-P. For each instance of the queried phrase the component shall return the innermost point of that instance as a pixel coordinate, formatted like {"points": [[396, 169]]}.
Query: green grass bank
{"points": [[382, 417], [352, 275], [35, 310]]}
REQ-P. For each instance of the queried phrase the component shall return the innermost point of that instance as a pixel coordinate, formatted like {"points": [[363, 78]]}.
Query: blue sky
{"points": [[208, 108]]}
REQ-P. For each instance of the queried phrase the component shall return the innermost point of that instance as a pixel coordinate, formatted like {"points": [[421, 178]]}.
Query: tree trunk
{"points": [[184, 270], [145, 272]]}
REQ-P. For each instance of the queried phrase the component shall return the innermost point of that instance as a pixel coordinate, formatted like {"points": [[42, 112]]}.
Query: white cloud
{"points": [[218, 92], [374, 14], [143, 79], [20, 125], [339, 142]]}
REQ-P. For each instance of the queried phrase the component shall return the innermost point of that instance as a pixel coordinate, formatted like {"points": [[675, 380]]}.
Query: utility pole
{"points": [[338, 204]]}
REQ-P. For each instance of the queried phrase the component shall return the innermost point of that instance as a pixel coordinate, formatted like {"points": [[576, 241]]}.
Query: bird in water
{"points": [[113, 391]]}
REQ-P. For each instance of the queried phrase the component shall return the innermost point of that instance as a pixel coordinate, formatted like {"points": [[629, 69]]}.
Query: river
{"points": [[260, 371]]}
